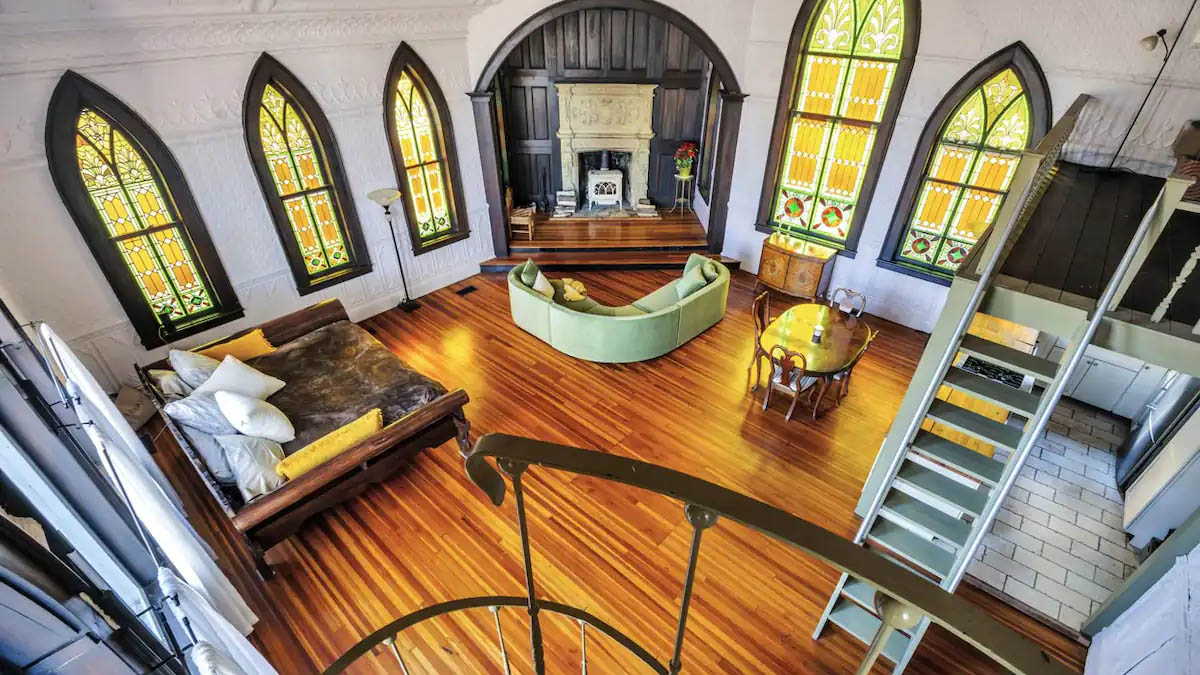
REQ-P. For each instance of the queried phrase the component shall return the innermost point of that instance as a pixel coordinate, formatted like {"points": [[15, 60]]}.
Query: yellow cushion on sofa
{"points": [[330, 445], [248, 346]]}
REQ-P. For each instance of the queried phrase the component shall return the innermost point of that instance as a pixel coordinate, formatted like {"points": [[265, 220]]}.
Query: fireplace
{"points": [[606, 117], [610, 170]]}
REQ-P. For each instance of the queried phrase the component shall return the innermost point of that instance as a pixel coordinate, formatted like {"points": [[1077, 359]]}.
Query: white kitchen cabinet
{"points": [[1149, 381], [1101, 383]]}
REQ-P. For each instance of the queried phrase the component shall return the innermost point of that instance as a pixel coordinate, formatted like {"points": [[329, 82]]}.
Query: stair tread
{"points": [[974, 424], [904, 508], [911, 547], [862, 624], [947, 489], [1001, 394], [958, 457], [602, 259], [1015, 359]]}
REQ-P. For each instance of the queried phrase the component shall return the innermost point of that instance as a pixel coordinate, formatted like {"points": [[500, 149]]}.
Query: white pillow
{"points": [[169, 384], [253, 417], [199, 411], [233, 375], [211, 454], [542, 285], [253, 463], [193, 368]]}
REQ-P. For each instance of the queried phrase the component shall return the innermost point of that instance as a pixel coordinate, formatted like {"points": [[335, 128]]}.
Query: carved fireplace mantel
{"points": [[606, 117]]}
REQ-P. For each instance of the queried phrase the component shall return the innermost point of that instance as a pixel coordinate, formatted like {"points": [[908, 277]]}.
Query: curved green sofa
{"points": [[644, 329]]}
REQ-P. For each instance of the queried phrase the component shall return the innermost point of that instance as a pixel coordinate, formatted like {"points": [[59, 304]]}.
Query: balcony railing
{"points": [[902, 598]]}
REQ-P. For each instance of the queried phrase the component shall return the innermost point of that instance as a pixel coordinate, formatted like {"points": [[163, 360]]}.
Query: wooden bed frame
{"points": [[271, 518]]}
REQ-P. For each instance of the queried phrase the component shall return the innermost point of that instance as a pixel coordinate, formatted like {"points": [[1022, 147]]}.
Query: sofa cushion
{"points": [[691, 282], [542, 285], [623, 310], [659, 299], [694, 260], [529, 272], [574, 305], [709, 269]]}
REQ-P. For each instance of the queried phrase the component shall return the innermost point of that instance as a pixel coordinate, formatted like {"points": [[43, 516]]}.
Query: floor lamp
{"points": [[385, 197]]}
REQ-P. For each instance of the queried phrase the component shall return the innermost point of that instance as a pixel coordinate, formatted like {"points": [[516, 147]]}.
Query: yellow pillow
{"points": [[330, 445], [248, 346]]}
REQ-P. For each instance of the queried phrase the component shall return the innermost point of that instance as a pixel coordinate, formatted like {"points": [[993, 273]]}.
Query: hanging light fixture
{"points": [[385, 197]]}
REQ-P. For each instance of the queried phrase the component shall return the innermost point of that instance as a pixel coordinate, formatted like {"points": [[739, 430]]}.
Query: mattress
{"points": [[337, 373]]}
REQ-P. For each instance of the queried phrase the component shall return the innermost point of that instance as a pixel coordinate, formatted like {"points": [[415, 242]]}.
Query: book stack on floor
{"points": [[564, 204], [645, 209]]}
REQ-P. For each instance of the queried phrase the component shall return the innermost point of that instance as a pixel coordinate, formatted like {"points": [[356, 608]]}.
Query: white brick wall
{"points": [[1057, 546]]}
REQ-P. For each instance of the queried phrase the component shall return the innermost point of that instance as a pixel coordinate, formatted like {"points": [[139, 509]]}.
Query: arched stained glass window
{"points": [[299, 169], [968, 159], [839, 115], [422, 142], [133, 206]]}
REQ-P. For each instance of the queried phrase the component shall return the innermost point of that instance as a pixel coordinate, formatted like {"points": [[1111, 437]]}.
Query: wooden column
{"points": [[489, 160], [718, 205]]}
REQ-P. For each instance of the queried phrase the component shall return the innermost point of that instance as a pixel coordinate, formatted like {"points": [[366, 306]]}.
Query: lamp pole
{"points": [[407, 304]]}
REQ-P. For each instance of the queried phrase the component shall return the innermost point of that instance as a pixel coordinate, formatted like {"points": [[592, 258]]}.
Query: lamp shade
{"points": [[384, 196], [1149, 42]]}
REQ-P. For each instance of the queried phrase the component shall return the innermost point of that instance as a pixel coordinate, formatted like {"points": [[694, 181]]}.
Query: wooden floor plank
{"points": [[428, 535]]}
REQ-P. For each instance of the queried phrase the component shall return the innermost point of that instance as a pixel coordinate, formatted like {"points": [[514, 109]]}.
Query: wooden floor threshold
{"points": [[602, 260]]}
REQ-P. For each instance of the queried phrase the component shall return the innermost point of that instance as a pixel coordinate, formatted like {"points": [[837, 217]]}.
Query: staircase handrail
{"points": [[513, 454]]}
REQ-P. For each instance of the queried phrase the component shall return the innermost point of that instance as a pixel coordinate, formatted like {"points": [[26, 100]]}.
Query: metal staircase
{"points": [[938, 498]]}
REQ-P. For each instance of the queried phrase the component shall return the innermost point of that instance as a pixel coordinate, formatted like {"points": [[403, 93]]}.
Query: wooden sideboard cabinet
{"points": [[795, 266]]}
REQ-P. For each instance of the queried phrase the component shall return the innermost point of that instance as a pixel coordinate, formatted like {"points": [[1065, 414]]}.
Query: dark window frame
{"points": [[268, 70], [74, 93], [406, 60], [790, 81], [708, 133], [1016, 56]]}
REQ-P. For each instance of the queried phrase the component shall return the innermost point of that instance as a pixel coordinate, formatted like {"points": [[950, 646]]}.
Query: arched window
{"points": [[300, 171], [422, 142], [848, 61], [133, 206], [965, 161]]}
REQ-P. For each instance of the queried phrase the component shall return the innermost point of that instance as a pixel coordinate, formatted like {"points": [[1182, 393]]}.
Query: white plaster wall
{"points": [[1084, 46], [185, 73]]}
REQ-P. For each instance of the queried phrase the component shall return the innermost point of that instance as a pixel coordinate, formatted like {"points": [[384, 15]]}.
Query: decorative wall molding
{"points": [[56, 46]]}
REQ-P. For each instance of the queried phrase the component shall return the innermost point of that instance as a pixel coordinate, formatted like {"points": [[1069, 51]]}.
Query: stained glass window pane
{"points": [[295, 163], [848, 69], [968, 174], [422, 154], [126, 193]]}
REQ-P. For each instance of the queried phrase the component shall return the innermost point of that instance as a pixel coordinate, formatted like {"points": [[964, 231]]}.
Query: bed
{"points": [[335, 371]]}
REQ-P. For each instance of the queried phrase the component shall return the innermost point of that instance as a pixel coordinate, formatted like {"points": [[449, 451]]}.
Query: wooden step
{"points": [[916, 514], [862, 624], [602, 260], [962, 459], [912, 548], [973, 424], [929, 482], [1013, 359], [997, 393]]}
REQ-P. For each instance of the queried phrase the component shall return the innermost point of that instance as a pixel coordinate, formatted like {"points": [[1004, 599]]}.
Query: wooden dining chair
{"points": [[788, 374], [520, 219], [762, 318], [857, 301], [843, 378]]}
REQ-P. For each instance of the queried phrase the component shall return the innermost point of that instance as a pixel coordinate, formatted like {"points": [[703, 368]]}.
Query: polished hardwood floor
{"points": [[428, 535], [678, 229]]}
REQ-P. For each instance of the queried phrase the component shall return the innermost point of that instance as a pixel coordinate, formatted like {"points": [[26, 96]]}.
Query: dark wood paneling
{"points": [[599, 45]]}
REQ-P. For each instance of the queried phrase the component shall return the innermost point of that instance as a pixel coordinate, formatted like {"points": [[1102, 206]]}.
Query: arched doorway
{"points": [[725, 88]]}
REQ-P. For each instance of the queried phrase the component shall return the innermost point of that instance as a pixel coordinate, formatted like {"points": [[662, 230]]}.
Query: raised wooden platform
{"points": [[672, 232], [602, 260], [609, 244]]}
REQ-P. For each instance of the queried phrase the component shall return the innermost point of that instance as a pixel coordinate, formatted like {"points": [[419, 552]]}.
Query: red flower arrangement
{"points": [[685, 155]]}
